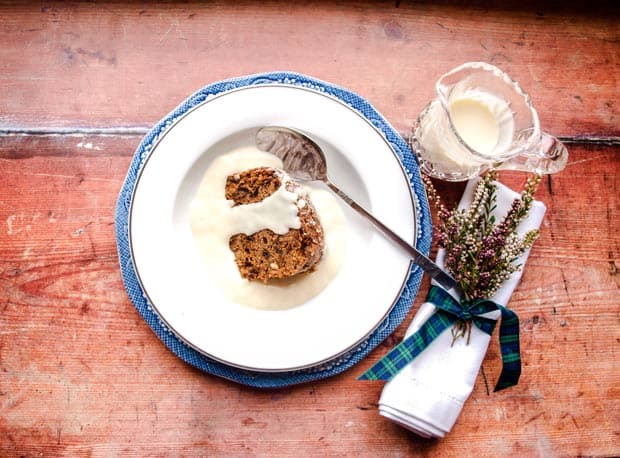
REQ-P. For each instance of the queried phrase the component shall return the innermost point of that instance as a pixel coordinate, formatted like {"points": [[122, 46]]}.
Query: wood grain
{"points": [[81, 374], [128, 64]]}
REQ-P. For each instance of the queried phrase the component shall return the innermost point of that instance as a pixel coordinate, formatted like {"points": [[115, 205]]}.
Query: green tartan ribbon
{"points": [[450, 311]]}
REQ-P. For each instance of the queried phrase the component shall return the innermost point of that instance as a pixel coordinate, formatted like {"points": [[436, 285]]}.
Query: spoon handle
{"points": [[432, 269]]}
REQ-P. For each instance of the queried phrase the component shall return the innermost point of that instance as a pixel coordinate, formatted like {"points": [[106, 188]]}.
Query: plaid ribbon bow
{"points": [[449, 311]]}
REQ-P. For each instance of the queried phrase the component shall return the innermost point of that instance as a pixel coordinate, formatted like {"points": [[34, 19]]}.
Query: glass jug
{"points": [[480, 119]]}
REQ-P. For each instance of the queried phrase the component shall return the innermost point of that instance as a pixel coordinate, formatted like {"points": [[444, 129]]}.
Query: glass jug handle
{"points": [[549, 155]]}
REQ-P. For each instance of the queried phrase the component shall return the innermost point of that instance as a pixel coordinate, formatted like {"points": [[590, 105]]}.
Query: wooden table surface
{"points": [[82, 374]]}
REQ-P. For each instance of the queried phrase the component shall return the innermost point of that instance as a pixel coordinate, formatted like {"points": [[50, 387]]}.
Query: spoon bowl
{"points": [[301, 157]]}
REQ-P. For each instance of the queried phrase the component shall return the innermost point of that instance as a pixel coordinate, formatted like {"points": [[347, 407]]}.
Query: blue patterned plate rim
{"points": [[338, 363]]}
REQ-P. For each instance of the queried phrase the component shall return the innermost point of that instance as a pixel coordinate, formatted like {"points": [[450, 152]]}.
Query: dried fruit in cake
{"points": [[266, 255]]}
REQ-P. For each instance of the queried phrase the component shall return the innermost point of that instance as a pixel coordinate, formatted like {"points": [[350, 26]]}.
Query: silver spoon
{"points": [[304, 160]]}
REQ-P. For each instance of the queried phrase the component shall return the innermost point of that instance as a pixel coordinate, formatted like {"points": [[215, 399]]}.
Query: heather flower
{"points": [[480, 252]]}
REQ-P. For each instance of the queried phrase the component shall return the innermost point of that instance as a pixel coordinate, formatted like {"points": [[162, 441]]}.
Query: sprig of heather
{"points": [[481, 254]]}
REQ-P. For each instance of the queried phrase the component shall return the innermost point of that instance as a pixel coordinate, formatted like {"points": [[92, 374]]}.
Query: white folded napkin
{"points": [[427, 396]]}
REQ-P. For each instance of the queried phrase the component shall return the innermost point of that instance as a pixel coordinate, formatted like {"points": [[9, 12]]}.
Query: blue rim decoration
{"points": [[269, 379]]}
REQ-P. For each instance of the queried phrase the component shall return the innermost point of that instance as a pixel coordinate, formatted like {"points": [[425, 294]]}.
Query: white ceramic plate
{"points": [[171, 271]]}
